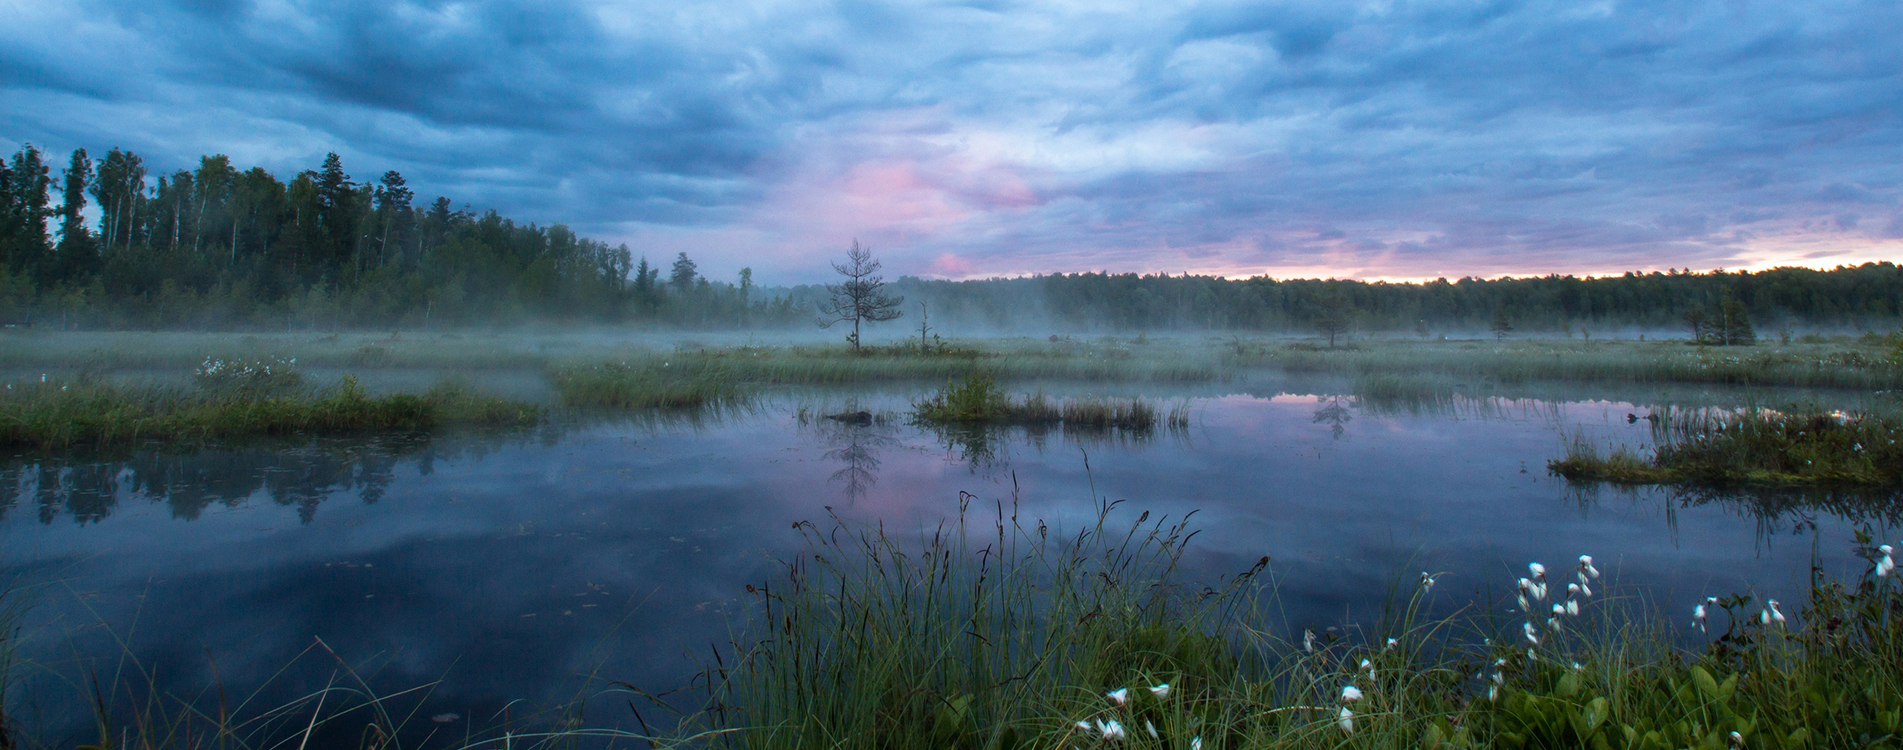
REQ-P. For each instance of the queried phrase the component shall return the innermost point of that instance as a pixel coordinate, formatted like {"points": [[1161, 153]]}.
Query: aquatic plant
{"points": [[1751, 447]]}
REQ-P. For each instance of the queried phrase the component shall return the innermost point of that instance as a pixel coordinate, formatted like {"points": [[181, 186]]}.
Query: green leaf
{"points": [[1705, 683]]}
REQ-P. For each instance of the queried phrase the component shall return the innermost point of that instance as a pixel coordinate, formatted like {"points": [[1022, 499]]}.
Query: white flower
{"points": [[1572, 607], [1084, 726], [1553, 622], [1493, 693], [1195, 743], [1118, 697], [1585, 566], [1112, 730], [1525, 590], [1771, 611], [1160, 691], [1391, 644], [1151, 728], [1559, 610], [1885, 565], [1737, 740], [1427, 582], [1308, 641], [1538, 571], [1532, 634], [1350, 693], [1347, 720], [1698, 617]]}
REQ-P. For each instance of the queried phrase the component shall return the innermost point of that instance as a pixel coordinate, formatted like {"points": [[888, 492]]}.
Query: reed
{"points": [[978, 401], [60, 413], [1751, 447], [1021, 636]]}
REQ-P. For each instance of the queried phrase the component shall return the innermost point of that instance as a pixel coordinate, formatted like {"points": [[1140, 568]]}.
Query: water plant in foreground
{"points": [[1019, 635], [1751, 447]]}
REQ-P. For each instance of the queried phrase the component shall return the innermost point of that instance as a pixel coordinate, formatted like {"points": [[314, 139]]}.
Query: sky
{"points": [[1373, 140]]}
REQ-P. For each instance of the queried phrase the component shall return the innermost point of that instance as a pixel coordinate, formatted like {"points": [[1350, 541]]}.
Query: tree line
{"points": [[219, 247], [1715, 306], [216, 246]]}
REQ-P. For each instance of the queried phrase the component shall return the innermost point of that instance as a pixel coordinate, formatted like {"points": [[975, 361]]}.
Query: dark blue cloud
{"points": [[1383, 138]]}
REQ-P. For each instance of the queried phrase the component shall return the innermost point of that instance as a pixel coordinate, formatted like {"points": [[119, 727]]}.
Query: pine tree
{"points": [[1500, 325], [77, 258], [683, 276]]}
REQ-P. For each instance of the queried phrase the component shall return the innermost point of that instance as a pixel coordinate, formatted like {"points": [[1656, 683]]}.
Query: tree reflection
{"points": [[1333, 413], [856, 443], [300, 476]]}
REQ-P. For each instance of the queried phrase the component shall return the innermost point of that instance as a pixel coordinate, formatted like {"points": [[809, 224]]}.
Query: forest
{"points": [[220, 248]]}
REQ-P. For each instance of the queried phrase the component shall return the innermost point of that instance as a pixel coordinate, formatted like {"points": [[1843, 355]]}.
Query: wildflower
{"points": [[1578, 666], [1118, 697], [1195, 743], [1308, 640], [1553, 622], [1151, 728], [1532, 634], [1391, 644], [1493, 693], [1350, 693], [1347, 721], [1698, 617], [1084, 726], [1737, 740], [1367, 666], [1885, 565], [1559, 610], [1572, 607], [1160, 691], [1525, 590], [1111, 730], [1585, 566], [1427, 582], [1771, 613]]}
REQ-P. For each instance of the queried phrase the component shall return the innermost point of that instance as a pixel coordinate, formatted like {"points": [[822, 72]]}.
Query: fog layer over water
{"points": [[510, 567]]}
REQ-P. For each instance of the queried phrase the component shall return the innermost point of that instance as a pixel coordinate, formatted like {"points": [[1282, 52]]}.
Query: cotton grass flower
{"points": [[1160, 691], [1572, 607], [1886, 564], [1118, 697], [1308, 640], [1346, 720], [1195, 743], [1391, 644], [1151, 728], [1586, 568], [1427, 582], [1698, 617], [1531, 633], [1084, 726], [1112, 730], [1771, 613], [1350, 693]]}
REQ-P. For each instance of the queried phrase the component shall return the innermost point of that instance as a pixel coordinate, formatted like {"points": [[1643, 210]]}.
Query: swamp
{"points": [[477, 539]]}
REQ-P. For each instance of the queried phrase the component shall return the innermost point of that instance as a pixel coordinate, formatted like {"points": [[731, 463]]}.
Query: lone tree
{"points": [[1501, 325], [1332, 314], [860, 298]]}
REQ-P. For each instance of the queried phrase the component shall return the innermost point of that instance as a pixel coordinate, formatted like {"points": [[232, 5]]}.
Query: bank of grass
{"points": [[86, 413], [1017, 635], [978, 401], [1751, 447], [1846, 363]]}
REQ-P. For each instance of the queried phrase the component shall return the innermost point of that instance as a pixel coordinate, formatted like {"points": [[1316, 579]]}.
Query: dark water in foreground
{"points": [[512, 567]]}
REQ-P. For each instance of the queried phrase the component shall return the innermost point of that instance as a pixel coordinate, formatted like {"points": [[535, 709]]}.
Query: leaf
{"points": [[1596, 713], [1705, 683]]}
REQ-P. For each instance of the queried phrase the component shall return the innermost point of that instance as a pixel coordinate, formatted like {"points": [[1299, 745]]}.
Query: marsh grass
{"points": [[1751, 447], [978, 401], [86, 413], [1012, 635], [1836, 364]]}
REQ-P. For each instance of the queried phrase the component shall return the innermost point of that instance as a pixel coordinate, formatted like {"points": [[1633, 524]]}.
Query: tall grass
{"points": [[61, 413], [977, 401], [1017, 635], [1798, 365], [1752, 447]]}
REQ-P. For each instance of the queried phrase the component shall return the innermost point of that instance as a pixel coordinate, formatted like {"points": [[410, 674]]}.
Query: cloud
{"points": [[1387, 139]]}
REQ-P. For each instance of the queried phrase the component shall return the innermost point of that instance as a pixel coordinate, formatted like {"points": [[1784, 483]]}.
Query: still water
{"points": [[521, 566]]}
